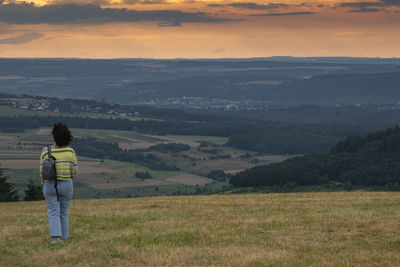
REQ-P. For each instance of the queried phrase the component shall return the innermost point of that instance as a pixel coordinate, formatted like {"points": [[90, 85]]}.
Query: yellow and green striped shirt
{"points": [[66, 162]]}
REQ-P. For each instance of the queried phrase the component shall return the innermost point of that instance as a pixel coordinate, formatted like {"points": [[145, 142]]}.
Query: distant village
{"points": [[67, 105], [91, 106], [56, 105]]}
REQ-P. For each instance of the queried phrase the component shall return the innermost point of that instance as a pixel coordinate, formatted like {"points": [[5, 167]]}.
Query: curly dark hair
{"points": [[61, 134]]}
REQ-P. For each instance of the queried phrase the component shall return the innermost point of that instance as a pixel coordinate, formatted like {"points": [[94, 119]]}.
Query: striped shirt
{"points": [[66, 162]]}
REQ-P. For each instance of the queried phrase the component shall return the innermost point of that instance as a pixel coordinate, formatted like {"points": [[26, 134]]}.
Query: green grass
{"points": [[127, 167], [21, 176], [114, 172], [10, 111], [17, 151], [141, 191], [36, 138], [105, 133], [196, 138], [299, 229], [19, 157]]}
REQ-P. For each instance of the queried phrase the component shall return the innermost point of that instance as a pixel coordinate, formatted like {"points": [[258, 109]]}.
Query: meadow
{"points": [[19, 156], [295, 229]]}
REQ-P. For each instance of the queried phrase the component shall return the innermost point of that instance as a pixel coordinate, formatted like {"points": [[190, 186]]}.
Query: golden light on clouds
{"points": [[197, 29]]}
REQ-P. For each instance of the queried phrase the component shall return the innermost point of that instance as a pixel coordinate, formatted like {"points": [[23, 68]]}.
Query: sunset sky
{"points": [[199, 28]]}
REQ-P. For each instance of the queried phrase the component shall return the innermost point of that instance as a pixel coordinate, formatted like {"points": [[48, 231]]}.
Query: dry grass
{"points": [[189, 179], [302, 229], [19, 164], [135, 182]]}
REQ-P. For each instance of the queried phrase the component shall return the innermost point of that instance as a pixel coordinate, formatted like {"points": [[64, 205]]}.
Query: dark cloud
{"points": [[63, 2], [169, 24], [365, 10], [92, 14], [215, 5], [359, 4], [153, 2], [145, 2], [22, 39], [390, 3], [250, 5], [257, 6], [284, 14], [370, 6]]}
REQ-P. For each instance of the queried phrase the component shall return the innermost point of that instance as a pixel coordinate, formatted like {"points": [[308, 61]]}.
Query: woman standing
{"points": [[58, 198]]}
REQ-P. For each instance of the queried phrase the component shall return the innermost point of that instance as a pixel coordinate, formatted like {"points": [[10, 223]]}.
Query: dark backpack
{"points": [[49, 171]]}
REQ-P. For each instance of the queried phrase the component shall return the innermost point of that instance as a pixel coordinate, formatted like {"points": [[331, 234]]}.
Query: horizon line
{"points": [[204, 58]]}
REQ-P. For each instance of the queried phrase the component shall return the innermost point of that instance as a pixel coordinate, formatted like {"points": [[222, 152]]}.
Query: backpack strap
{"points": [[49, 147], [49, 150]]}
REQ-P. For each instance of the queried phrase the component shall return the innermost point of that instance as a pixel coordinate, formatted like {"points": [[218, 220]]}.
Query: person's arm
{"points": [[74, 166]]}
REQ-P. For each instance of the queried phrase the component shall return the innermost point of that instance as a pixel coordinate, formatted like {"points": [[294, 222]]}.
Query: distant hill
{"points": [[275, 130], [342, 89], [208, 82], [372, 160], [274, 87]]}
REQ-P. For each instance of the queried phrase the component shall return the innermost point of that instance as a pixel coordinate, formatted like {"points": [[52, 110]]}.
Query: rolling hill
{"points": [[370, 160], [205, 83]]}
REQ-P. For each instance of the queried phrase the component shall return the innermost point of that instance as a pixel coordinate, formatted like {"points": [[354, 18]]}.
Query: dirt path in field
{"points": [[85, 167], [7, 140], [189, 179], [135, 183], [19, 164], [129, 142], [169, 139], [43, 132]]}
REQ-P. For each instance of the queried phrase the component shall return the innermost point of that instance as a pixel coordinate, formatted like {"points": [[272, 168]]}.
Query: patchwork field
{"points": [[12, 111], [19, 156], [296, 229]]}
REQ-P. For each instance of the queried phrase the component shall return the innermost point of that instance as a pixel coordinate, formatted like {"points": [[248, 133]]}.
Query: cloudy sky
{"points": [[199, 28]]}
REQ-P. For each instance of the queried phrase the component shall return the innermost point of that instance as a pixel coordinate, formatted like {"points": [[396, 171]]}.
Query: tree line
{"points": [[91, 147], [8, 193], [371, 160], [260, 136]]}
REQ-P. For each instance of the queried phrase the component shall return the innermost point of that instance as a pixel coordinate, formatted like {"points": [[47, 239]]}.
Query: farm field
{"points": [[294, 229], [19, 156], [12, 111]]}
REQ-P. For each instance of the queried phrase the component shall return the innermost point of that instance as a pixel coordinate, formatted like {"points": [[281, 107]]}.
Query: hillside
{"points": [[372, 160], [358, 229], [208, 82], [265, 88]]}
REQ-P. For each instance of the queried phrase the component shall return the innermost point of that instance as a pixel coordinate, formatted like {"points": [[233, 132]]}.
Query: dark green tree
{"points": [[33, 191], [7, 193]]}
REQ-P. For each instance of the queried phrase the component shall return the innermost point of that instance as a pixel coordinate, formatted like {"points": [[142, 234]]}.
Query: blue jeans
{"points": [[58, 212]]}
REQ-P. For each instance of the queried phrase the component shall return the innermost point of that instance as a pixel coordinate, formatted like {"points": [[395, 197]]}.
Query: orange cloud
{"points": [[169, 29]]}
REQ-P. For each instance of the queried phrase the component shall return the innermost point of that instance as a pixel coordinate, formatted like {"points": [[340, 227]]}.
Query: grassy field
{"points": [[211, 139], [19, 156], [299, 229], [8, 111]]}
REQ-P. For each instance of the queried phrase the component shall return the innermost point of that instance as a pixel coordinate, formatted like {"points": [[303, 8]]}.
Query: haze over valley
{"points": [[208, 83], [183, 126]]}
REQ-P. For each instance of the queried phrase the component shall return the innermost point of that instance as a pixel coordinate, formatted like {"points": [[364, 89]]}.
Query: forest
{"points": [[370, 160], [90, 147], [261, 136]]}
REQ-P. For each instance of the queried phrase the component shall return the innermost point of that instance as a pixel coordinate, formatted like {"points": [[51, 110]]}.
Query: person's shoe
{"points": [[56, 241]]}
